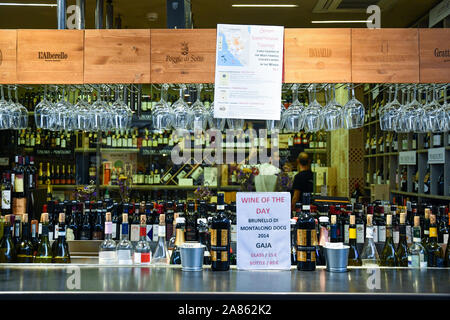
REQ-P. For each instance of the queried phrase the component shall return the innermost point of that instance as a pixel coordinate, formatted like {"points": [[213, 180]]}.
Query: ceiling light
{"points": [[264, 5], [29, 4], [341, 21]]}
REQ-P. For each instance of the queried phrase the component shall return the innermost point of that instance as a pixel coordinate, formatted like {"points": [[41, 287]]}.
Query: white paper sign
{"points": [[407, 158], [249, 66], [436, 155], [263, 230]]}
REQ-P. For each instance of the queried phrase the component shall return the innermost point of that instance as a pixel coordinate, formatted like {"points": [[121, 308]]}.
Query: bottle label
{"points": [[375, 233], [306, 242], [408, 234], [161, 231], [433, 232], [234, 233], [396, 236], [369, 233], [142, 257], [6, 199], [134, 234], [50, 235], [382, 234], [352, 233], [18, 183], [113, 231], [124, 255], [62, 233], [149, 232], [70, 235], [346, 233], [155, 232], [359, 233], [108, 228], [107, 257], [40, 229], [446, 239], [97, 235]]}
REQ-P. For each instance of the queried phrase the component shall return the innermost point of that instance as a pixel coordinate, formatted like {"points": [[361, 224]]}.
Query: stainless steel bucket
{"points": [[337, 259], [192, 256]]}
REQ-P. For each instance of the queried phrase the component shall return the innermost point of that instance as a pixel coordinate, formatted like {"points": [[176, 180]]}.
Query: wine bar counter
{"points": [[81, 281]]}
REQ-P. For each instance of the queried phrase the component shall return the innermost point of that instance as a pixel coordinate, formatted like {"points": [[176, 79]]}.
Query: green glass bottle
{"points": [[7, 251], [44, 253], [353, 254], [25, 248], [402, 247], [388, 258], [434, 250], [61, 251]]}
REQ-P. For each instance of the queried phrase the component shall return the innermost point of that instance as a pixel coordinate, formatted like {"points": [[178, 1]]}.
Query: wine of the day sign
{"points": [[263, 230]]}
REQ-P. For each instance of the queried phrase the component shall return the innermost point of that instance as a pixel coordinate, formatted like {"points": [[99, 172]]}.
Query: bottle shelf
{"points": [[141, 187], [386, 154], [421, 195]]}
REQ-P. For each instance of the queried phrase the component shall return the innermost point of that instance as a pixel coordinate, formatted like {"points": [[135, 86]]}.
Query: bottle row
{"points": [[391, 143]]}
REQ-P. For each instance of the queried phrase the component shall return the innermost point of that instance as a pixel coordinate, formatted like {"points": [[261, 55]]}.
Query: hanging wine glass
{"points": [[313, 113], [216, 123], [4, 120], [21, 113], [332, 112], [201, 116], [276, 124], [293, 117], [162, 116], [121, 112], [353, 111], [182, 113], [389, 112]]}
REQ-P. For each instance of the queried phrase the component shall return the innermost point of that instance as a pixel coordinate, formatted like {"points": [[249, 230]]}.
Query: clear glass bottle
{"points": [[161, 254], [417, 255], [7, 250], [25, 248], [125, 247], [142, 251], [369, 254], [107, 251]]}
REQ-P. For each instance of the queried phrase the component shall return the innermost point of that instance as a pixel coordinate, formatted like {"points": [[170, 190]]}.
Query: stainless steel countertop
{"points": [[17, 280]]}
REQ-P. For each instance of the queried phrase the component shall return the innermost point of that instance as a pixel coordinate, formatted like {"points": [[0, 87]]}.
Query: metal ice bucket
{"points": [[192, 256], [337, 259]]}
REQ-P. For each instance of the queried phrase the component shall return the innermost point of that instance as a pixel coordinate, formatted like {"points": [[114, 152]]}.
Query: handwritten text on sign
{"points": [[263, 230]]}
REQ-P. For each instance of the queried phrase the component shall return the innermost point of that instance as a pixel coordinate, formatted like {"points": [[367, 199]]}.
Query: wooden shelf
{"points": [[381, 154], [421, 195], [171, 187]]}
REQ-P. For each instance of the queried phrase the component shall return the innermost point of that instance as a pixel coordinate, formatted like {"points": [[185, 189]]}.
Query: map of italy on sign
{"points": [[263, 230], [249, 65]]}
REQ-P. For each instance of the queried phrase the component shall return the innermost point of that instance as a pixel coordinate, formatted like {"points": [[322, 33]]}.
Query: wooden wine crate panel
{"points": [[117, 56], [385, 56], [434, 55], [317, 55], [50, 56], [183, 56], [8, 41]]}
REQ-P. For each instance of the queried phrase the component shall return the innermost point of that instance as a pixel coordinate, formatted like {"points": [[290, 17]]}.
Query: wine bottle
{"points": [[202, 224], [6, 194], [44, 254], [191, 223], [142, 251], [25, 247], [306, 237], [7, 250], [175, 258], [61, 253], [417, 255], [402, 247], [369, 254], [359, 223], [161, 254], [125, 247], [434, 250], [388, 257], [220, 238], [107, 250], [353, 254], [426, 226], [333, 229]]}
